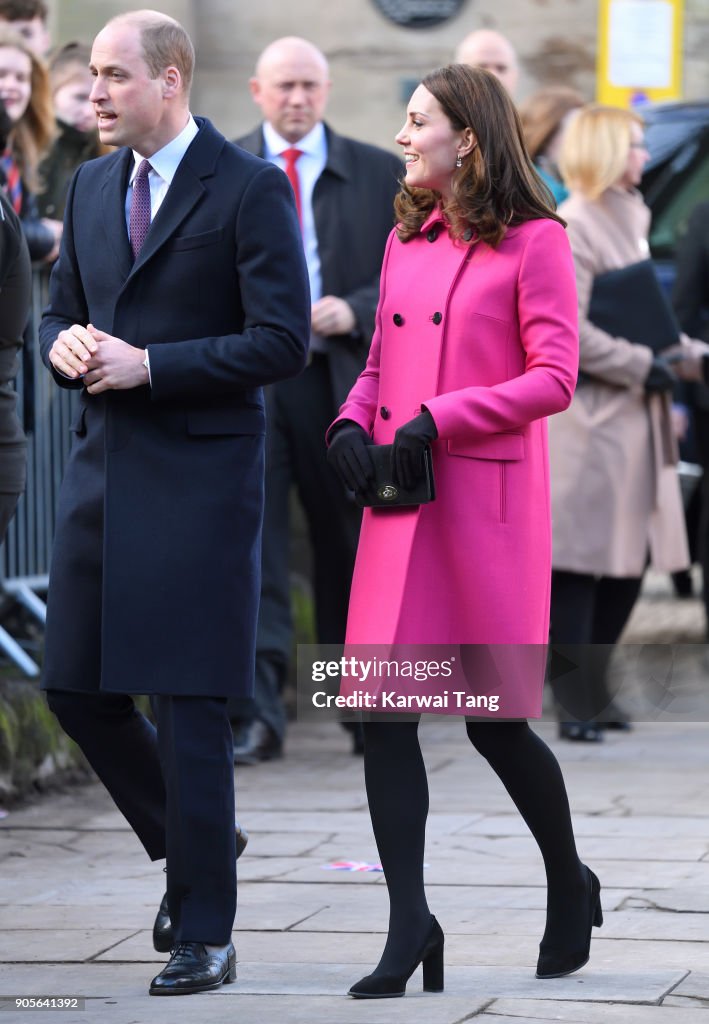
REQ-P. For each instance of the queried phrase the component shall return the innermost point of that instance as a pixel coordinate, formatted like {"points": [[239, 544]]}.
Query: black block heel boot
{"points": [[557, 963], [388, 986]]}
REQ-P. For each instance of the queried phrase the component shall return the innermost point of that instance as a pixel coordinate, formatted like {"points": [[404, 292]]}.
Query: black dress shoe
{"points": [[192, 968], [162, 928], [583, 732], [615, 718], [261, 744]]}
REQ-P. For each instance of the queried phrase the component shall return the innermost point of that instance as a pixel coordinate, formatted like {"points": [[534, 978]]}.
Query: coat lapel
{"points": [[113, 208], [185, 191]]}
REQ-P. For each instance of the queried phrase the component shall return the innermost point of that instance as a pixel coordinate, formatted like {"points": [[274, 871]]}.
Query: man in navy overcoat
{"points": [[180, 290]]}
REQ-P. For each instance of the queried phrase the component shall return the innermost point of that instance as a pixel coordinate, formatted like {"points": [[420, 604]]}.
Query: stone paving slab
{"points": [[29, 945], [364, 948], [474, 984], [649, 827], [523, 848], [129, 916], [694, 986], [687, 900], [516, 1011], [84, 888], [34, 841], [422, 1008]]}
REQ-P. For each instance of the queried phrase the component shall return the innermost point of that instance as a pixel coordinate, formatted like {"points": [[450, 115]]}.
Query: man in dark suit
{"points": [[345, 192], [180, 290]]}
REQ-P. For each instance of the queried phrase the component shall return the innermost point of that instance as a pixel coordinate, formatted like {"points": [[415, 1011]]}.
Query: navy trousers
{"points": [[175, 787]]}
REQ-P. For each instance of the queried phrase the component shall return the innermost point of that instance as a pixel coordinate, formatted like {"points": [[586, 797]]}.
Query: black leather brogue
{"points": [[194, 968]]}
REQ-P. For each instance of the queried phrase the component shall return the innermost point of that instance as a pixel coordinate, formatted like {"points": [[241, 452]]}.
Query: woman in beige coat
{"points": [[616, 501]]}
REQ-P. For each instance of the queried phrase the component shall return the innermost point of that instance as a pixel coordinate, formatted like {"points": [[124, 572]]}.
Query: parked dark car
{"points": [[676, 176]]}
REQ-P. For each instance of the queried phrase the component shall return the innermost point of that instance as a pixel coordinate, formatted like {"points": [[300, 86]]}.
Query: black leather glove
{"points": [[409, 442], [349, 457], [660, 377]]}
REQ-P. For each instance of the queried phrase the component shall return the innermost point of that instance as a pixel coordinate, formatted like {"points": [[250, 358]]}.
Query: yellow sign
{"points": [[639, 51]]}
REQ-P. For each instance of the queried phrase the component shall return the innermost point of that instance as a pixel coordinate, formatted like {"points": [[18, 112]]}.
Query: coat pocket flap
{"points": [[183, 243], [205, 422], [507, 447]]}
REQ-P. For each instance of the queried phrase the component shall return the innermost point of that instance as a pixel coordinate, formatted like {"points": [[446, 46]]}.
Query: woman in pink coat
{"points": [[475, 344]]}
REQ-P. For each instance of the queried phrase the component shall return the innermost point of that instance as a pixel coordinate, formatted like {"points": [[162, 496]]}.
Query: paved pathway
{"points": [[77, 896]]}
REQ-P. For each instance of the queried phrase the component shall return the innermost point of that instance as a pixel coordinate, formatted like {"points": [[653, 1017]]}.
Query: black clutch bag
{"points": [[630, 303], [384, 493]]}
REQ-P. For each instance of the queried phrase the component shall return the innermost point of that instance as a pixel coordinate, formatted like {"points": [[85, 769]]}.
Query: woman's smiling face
{"points": [[431, 145]]}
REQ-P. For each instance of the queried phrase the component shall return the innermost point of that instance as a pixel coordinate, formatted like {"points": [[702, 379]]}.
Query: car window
{"points": [[670, 215]]}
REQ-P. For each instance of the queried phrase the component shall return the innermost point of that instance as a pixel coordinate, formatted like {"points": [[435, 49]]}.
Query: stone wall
{"points": [[374, 63]]}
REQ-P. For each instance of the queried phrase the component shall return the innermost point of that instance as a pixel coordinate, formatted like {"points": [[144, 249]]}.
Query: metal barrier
{"points": [[46, 412]]}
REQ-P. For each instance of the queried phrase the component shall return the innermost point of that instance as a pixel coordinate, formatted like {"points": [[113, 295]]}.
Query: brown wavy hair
{"points": [[31, 135], [497, 185]]}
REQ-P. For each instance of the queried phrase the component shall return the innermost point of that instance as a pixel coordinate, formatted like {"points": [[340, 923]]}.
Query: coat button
{"points": [[398, 319], [384, 412], [432, 235], [437, 317]]}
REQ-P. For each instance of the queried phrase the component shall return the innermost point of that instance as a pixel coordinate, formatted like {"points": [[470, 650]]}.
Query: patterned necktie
{"points": [[13, 182], [139, 221], [291, 156]]}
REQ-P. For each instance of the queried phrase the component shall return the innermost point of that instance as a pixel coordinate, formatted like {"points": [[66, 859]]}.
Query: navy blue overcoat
{"points": [[155, 575]]}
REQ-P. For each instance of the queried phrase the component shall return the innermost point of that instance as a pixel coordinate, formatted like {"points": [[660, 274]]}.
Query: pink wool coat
{"points": [[486, 340]]}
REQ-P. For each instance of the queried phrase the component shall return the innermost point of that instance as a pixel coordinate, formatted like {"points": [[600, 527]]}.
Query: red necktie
{"points": [[291, 156]]}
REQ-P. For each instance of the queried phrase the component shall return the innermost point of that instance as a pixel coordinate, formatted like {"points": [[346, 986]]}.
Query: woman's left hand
{"points": [[409, 442]]}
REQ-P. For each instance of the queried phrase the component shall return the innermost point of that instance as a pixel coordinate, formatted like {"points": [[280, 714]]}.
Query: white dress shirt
{"points": [[309, 168], [163, 166]]}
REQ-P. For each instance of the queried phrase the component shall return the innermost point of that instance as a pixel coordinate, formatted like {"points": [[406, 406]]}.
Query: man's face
{"points": [[495, 56], [291, 90], [33, 31], [129, 104]]}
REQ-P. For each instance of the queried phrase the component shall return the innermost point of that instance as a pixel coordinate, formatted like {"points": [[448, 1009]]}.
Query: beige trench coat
{"points": [[615, 489]]}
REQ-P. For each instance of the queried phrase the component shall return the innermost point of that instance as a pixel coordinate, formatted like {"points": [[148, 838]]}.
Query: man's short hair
{"points": [[165, 43], [23, 10]]}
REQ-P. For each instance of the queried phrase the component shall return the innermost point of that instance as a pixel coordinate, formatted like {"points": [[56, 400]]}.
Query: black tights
{"points": [[588, 615], [397, 791]]}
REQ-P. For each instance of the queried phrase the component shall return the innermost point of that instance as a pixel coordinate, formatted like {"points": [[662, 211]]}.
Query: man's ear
{"points": [[172, 81], [255, 89]]}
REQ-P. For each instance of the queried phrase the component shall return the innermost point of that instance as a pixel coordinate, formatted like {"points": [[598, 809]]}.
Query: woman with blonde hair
{"points": [[544, 116], [26, 94], [615, 494]]}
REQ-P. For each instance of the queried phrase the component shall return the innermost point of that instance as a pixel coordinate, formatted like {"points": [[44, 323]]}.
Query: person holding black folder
{"points": [[616, 502], [475, 345]]}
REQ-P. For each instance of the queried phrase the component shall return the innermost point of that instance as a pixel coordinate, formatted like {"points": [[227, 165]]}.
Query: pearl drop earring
{"points": [[459, 161]]}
